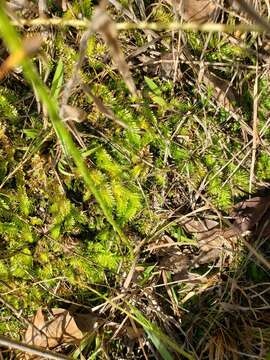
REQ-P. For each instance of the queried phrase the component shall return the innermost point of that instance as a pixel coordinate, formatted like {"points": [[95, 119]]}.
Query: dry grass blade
{"points": [[17, 4], [249, 9], [73, 81], [102, 23], [255, 137], [223, 92]]}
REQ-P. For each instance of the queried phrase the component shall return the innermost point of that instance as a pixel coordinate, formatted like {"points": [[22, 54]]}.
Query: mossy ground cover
{"points": [[176, 149]]}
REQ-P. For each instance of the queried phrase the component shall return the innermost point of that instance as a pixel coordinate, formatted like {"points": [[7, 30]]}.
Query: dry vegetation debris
{"points": [[134, 179]]}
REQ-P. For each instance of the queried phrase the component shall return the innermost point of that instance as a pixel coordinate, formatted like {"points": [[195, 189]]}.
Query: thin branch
{"points": [[143, 25], [34, 350]]}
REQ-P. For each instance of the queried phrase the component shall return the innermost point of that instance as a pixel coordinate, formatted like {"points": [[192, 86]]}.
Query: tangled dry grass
{"points": [[135, 179]]}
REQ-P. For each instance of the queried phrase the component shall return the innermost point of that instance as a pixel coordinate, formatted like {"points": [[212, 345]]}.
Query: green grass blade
{"points": [[159, 345], [161, 341], [58, 79], [14, 43]]}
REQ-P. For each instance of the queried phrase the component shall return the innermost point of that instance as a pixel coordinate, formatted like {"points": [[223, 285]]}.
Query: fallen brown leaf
{"points": [[175, 262], [200, 11], [200, 227], [213, 242], [223, 91], [167, 67], [63, 328], [73, 113], [215, 245], [172, 259], [249, 213]]}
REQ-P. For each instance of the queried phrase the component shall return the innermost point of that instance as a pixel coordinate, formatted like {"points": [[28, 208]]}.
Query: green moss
{"points": [[105, 162], [67, 54], [4, 273], [21, 264], [161, 14], [176, 142], [128, 202], [263, 166]]}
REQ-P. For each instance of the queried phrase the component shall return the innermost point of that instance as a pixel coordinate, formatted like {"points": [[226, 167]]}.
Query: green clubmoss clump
{"points": [[172, 148]]}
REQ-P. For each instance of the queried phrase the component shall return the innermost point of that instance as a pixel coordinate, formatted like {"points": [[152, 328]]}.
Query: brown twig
{"points": [[144, 25], [34, 350]]}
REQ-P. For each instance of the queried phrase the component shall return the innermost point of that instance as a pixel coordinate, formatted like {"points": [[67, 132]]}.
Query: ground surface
{"points": [[158, 248]]}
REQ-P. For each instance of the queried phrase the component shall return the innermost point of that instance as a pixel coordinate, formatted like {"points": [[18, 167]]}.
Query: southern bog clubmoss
{"points": [[89, 209]]}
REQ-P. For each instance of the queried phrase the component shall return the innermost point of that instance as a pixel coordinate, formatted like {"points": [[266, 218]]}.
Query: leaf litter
{"points": [[200, 11], [246, 217], [62, 328], [215, 244]]}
